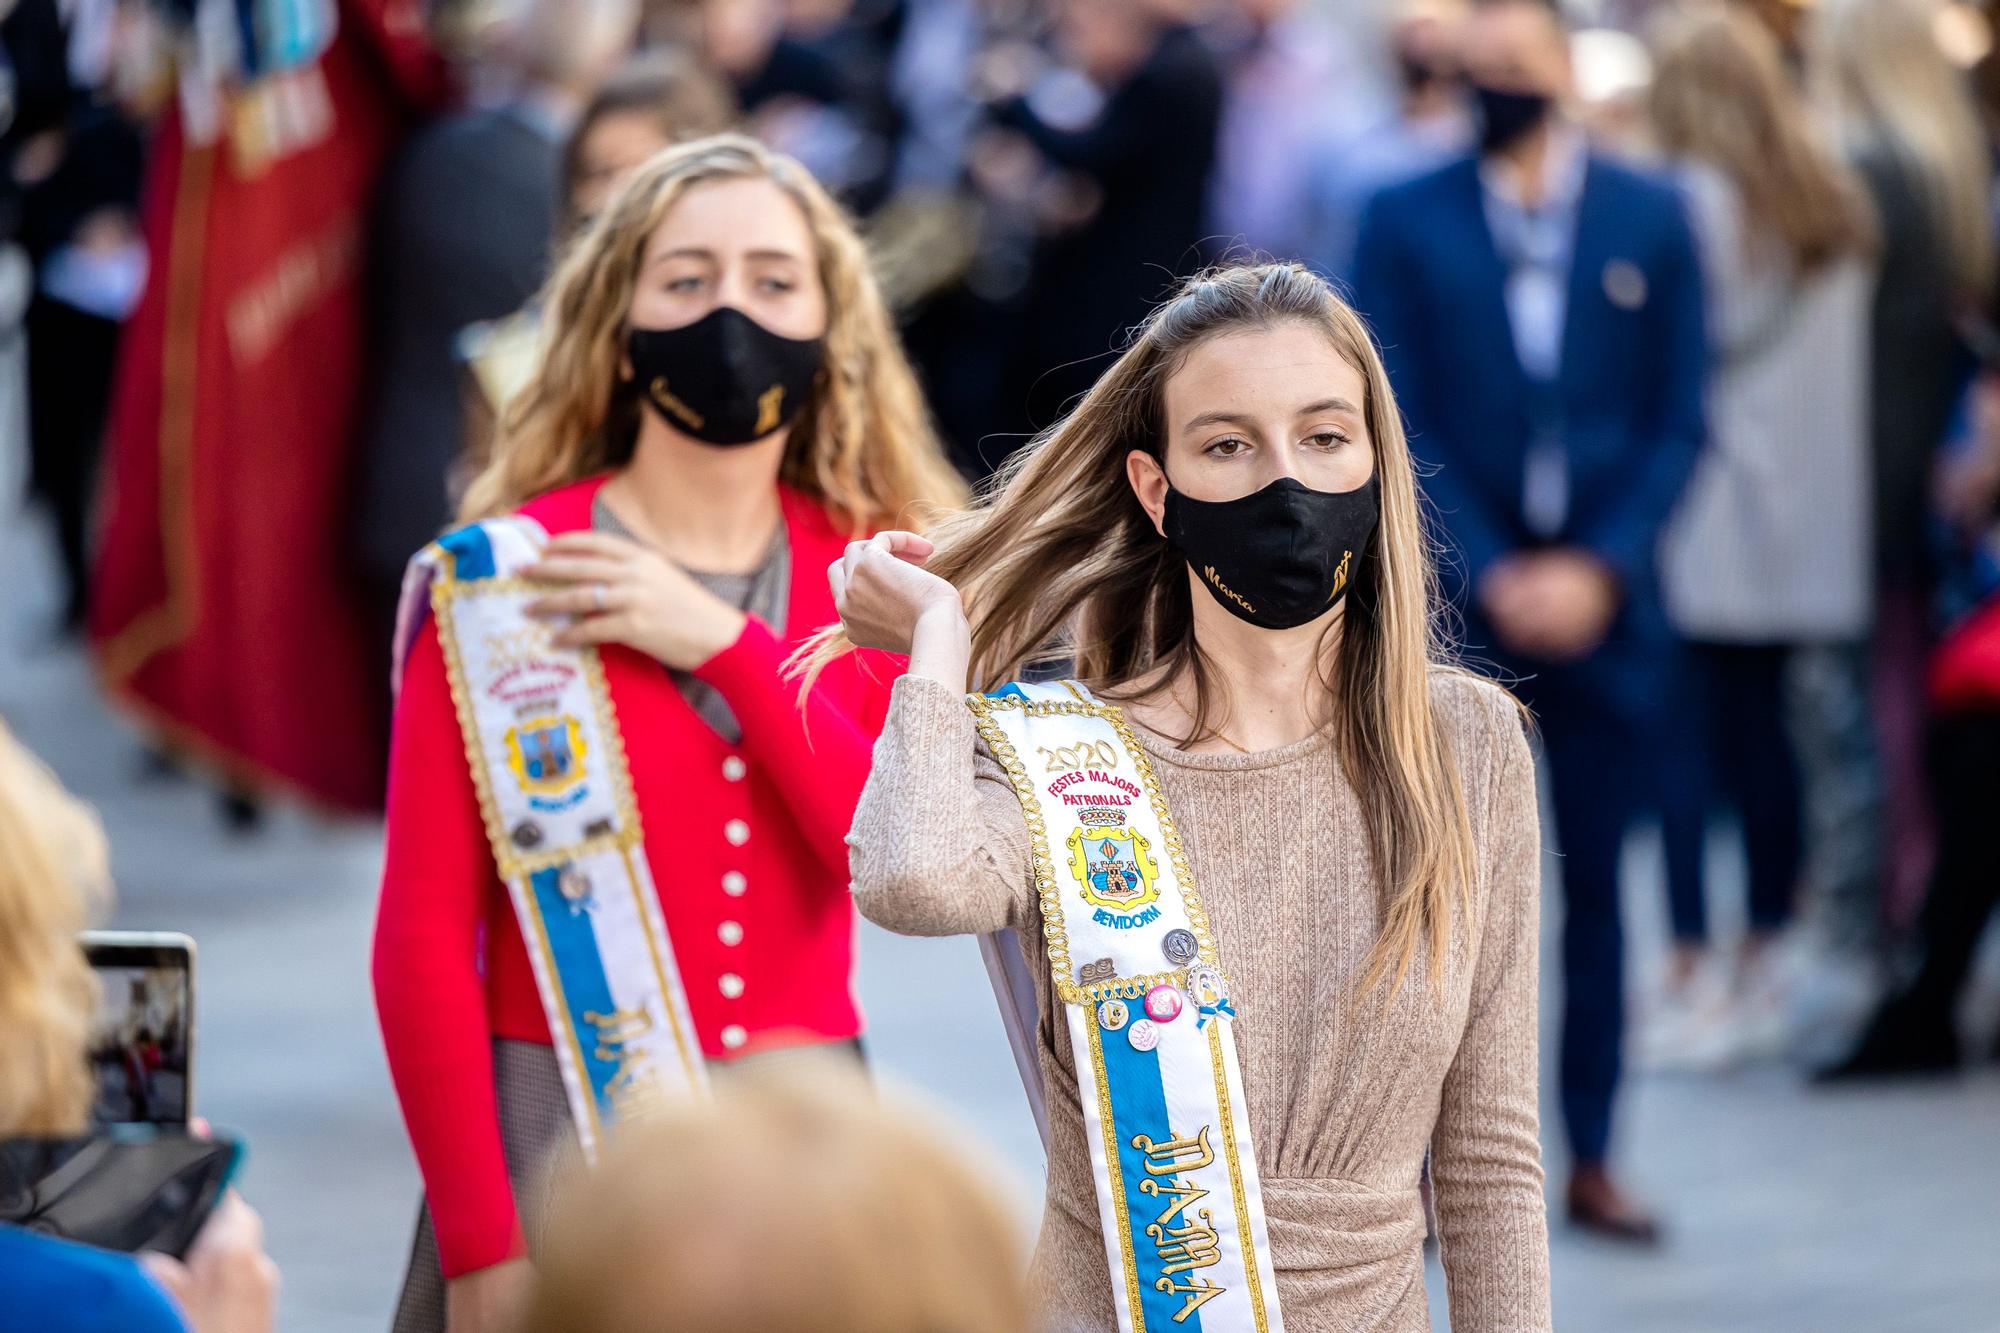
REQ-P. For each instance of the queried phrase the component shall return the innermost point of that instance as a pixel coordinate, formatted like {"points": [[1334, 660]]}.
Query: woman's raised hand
{"points": [[617, 591], [888, 600]]}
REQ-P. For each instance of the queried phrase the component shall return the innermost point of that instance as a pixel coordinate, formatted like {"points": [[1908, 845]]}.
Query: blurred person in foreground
{"points": [[1266, 815], [1540, 310], [1904, 116], [1770, 549], [596, 753], [654, 101], [796, 1202], [54, 876], [462, 234]]}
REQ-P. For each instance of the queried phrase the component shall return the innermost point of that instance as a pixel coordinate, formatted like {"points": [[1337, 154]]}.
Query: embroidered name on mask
{"points": [[1340, 575], [1208, 572], [668, 402]]}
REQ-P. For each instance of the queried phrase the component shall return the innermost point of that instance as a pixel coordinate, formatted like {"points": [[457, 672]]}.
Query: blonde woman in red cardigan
{"points": [[722, 405]]}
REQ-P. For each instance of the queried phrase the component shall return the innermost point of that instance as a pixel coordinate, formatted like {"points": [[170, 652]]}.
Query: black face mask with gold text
{"points": [[724, 379], [1278, 557]]}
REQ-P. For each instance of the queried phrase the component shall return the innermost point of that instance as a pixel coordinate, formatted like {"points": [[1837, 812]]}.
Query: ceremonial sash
{"points": [[1150, 1015], [549, 764]]}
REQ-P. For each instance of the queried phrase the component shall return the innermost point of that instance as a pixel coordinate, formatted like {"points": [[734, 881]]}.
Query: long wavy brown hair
{"points": [[1059, 564], [863, 444], [53, 876], [1721, 97]]}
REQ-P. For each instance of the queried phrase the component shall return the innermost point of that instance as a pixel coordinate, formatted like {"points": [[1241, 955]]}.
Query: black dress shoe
{"points": [[242, 813], [1899, 1042]]}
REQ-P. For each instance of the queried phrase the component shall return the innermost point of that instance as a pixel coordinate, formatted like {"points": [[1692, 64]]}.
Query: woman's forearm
{"points": [[941, 647]]}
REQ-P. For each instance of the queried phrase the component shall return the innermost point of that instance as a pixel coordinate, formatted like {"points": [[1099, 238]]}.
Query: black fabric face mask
{"points": [[1506, 116], [724, 379], [1278, 557]]}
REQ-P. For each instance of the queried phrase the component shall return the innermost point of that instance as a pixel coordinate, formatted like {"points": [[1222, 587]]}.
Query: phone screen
{"points": [[142, 1040]]}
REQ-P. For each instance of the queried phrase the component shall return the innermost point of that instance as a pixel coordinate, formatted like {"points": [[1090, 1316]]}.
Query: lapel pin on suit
{"points": [[1624, 284]]}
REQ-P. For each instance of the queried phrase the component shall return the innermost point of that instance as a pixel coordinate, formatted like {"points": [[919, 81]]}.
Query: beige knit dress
{"points": [[1343, 1099]]}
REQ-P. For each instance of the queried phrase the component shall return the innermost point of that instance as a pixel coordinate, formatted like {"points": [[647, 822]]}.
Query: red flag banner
{"points": [[223, 610]]}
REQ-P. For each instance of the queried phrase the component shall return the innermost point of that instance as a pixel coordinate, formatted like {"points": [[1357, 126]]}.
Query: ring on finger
{"points": [[597, 596]]}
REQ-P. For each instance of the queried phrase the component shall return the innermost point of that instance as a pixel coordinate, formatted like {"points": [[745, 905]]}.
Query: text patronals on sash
{"points": [[1124, 793]]}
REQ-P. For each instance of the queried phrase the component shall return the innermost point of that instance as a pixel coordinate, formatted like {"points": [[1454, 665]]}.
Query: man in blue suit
{"points": [[1539, 308]]}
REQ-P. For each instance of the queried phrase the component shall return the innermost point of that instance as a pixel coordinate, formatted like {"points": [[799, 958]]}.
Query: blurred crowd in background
{"points": [[276, 265]]}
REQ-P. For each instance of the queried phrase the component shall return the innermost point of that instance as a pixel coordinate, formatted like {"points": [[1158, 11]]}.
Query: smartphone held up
{"points": [[142, 1040], [139, 1180]]}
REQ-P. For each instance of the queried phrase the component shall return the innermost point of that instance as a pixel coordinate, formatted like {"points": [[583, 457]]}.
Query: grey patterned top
{"points": [[764, 592], [1769, 543]]}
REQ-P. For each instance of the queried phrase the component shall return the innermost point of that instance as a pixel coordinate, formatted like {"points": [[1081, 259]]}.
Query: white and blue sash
{"points": [[556, 795], [1150, 1015]]}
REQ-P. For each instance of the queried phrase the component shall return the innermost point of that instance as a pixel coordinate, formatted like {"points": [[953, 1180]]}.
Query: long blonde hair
{"points": [[53, 876], [1886, 84], [792, 1199], [1059, 563], [863, 444], [1721, 96]]}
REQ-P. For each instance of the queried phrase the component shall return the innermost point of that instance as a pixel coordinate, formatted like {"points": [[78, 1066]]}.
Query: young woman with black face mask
{"points": [[615, 839], [1273, 863]]}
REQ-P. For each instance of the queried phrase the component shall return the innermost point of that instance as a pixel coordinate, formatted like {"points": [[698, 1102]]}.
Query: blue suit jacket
{"points": [[1629, 391]]}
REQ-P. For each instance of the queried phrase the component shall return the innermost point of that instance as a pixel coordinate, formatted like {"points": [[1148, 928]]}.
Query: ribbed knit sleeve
{"points": [[939, 844], [1486, 1161]]}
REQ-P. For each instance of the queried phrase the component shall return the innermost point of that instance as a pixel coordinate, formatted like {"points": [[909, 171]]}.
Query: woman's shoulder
{"points": [[1481, 718], [818, 527], [1486, 730], [566, 508]]}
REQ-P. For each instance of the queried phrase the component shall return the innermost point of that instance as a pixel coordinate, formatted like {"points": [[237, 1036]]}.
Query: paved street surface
{"points": [[1790, 1210]]}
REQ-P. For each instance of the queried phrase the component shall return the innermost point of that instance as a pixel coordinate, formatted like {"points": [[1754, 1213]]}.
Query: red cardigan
{"points": [[746, 843]]}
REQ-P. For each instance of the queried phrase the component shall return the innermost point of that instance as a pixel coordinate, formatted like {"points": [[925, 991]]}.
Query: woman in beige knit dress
{"points": [[1360, 817]]}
